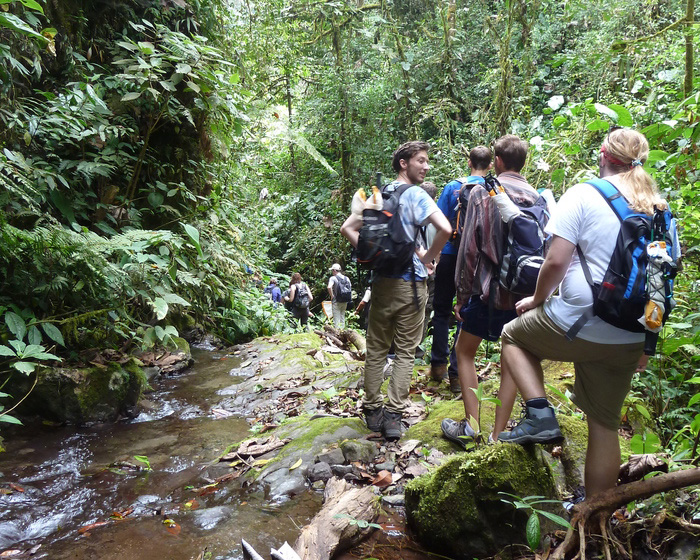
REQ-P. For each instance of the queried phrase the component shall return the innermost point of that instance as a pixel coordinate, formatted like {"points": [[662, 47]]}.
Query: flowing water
{"points": [[61, 486]]}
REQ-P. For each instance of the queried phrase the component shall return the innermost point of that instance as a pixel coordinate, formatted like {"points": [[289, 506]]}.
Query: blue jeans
{"points": [[443, 313]]}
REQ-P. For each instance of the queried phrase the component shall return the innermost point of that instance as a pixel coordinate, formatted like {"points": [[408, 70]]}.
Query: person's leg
{"points": [[602, 458], [524, 369], [507, 392], [466, 348], [407, 332], [339, 314], [380, 333], [442, 310]]}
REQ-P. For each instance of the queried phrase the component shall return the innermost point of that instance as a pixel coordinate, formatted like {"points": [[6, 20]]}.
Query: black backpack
{"points": [[621, 298], [524, 243], [343, 289], [383, 244], [457, 222], [301, 296]]}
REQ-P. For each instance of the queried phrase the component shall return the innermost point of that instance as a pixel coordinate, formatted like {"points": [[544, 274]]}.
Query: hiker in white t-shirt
{"points": [[335, 283]]}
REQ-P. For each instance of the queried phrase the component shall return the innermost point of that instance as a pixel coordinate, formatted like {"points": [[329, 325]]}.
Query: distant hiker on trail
{"points": [[340, 291], [479, 163], [300, 297], [483, 305], [398, 296], [605, 357], [273, 290]]}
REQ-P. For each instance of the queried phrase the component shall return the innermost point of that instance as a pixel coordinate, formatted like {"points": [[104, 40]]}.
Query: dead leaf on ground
{"points": [[92, 526], [118, 515], [221, 413], [410, 445], [16, 487], [171, 526], [296, 465], [383, 479], [255, 447]]}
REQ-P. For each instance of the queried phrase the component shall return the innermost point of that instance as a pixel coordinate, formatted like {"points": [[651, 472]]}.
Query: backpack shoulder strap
{"points": [[613, 197]]}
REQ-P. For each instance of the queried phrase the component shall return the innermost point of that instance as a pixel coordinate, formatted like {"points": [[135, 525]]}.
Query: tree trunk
{"points": [[288, 86], [345, 182], [690, 18]]}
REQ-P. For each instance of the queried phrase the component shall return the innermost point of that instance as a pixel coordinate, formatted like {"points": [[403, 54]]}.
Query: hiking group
{"points": [[499, 252]]}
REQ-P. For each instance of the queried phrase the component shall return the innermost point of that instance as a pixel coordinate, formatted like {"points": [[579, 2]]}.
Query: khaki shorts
{"points": [[603, 371]]}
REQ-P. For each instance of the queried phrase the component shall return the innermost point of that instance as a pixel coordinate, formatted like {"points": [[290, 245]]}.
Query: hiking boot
{"points": [[392, 428], [538, 426], [455, 385], [457, 432], [438, 372], [374, 418]]}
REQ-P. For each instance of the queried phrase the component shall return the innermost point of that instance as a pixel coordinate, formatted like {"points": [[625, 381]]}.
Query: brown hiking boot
{"points": [[438, 372], [455, 385]]}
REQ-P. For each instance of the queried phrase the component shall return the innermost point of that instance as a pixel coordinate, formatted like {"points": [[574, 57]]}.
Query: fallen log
{"points": [[598, 508], [342, 522]]}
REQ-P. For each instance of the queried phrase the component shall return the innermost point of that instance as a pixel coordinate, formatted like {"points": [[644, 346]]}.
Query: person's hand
{"points": [[430, 267], [525, 304], [457, 309], [642, 364]]}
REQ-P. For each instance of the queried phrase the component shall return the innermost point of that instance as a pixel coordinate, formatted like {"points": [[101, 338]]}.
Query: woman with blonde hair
{"points": [[605, 357]]}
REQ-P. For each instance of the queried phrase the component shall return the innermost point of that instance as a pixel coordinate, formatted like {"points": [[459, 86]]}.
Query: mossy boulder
{"points": [[457, 509], [97, 394]]}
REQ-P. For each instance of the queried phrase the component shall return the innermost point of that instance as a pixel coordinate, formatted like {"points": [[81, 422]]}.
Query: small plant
{"points": [[146, 463], [481, 398], [361, 523], [532, 528]]}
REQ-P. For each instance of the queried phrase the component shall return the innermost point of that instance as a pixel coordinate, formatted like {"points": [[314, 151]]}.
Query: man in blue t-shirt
{"points": [[479, 163], [395, 315]]}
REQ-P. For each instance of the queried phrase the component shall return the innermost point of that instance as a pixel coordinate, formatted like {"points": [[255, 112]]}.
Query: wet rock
{"points": [[319, 485], [332, 457], [394, 500], [467, 486], [385, 466], [319, 471], [79, 395], [341, 470], [359, 450]]}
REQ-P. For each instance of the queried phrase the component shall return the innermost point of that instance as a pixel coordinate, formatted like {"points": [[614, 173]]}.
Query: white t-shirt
{"points": [[584, 218]]}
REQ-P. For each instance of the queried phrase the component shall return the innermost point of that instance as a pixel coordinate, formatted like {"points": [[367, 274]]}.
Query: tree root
{"points": [[602, 505]]}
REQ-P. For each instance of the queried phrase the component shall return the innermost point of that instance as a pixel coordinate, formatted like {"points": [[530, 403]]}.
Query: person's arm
{"points": [[551, 274], [308, 290], [351, 229], [442, 234], [292, 293], [330, 287]]}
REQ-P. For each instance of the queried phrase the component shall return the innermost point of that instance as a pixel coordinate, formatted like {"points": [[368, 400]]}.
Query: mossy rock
{"points": [[479, 523], [75, 396]]}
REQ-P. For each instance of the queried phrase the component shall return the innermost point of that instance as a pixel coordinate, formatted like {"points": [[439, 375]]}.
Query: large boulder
{"points": [[457, 509], [78, 395]]}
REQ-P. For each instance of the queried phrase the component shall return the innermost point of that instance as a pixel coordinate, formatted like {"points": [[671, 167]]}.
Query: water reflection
{"points": [[62, 480]]}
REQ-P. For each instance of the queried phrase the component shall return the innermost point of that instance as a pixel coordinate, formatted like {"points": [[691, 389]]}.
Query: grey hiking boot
{"points": [[374, 418], [457, 432], [392, 428], [538, 426]]}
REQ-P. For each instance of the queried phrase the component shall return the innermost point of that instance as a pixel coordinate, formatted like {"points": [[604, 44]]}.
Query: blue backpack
{"points": [[620, 299]]}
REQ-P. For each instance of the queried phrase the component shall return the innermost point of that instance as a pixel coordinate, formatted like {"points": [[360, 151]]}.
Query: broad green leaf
{"points": [[532, 532], [13, 22], [34, 335], [170, 330], [556, 518], [695, 379], [16, 324], [194, 87], [131, 96], [598, 125], [53, 333], [643, 411], [9, 419], [160, 333], [607, 111], [694, 399], [624, 118], [24, 367], [161, 308], [175, 299], [5, 351], [18, 345], [182, 68]]}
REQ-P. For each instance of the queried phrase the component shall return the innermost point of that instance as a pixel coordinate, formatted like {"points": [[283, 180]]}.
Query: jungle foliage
{"points": [[136, 137]]}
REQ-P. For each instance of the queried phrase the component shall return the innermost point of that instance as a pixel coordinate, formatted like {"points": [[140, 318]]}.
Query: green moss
{"points": [[467, 486]]}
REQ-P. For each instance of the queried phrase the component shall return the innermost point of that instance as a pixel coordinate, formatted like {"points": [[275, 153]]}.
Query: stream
{"points": [[61, 486]]}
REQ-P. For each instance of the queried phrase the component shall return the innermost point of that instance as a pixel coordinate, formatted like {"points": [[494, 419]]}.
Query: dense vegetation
{"points": [[136, 137]]}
